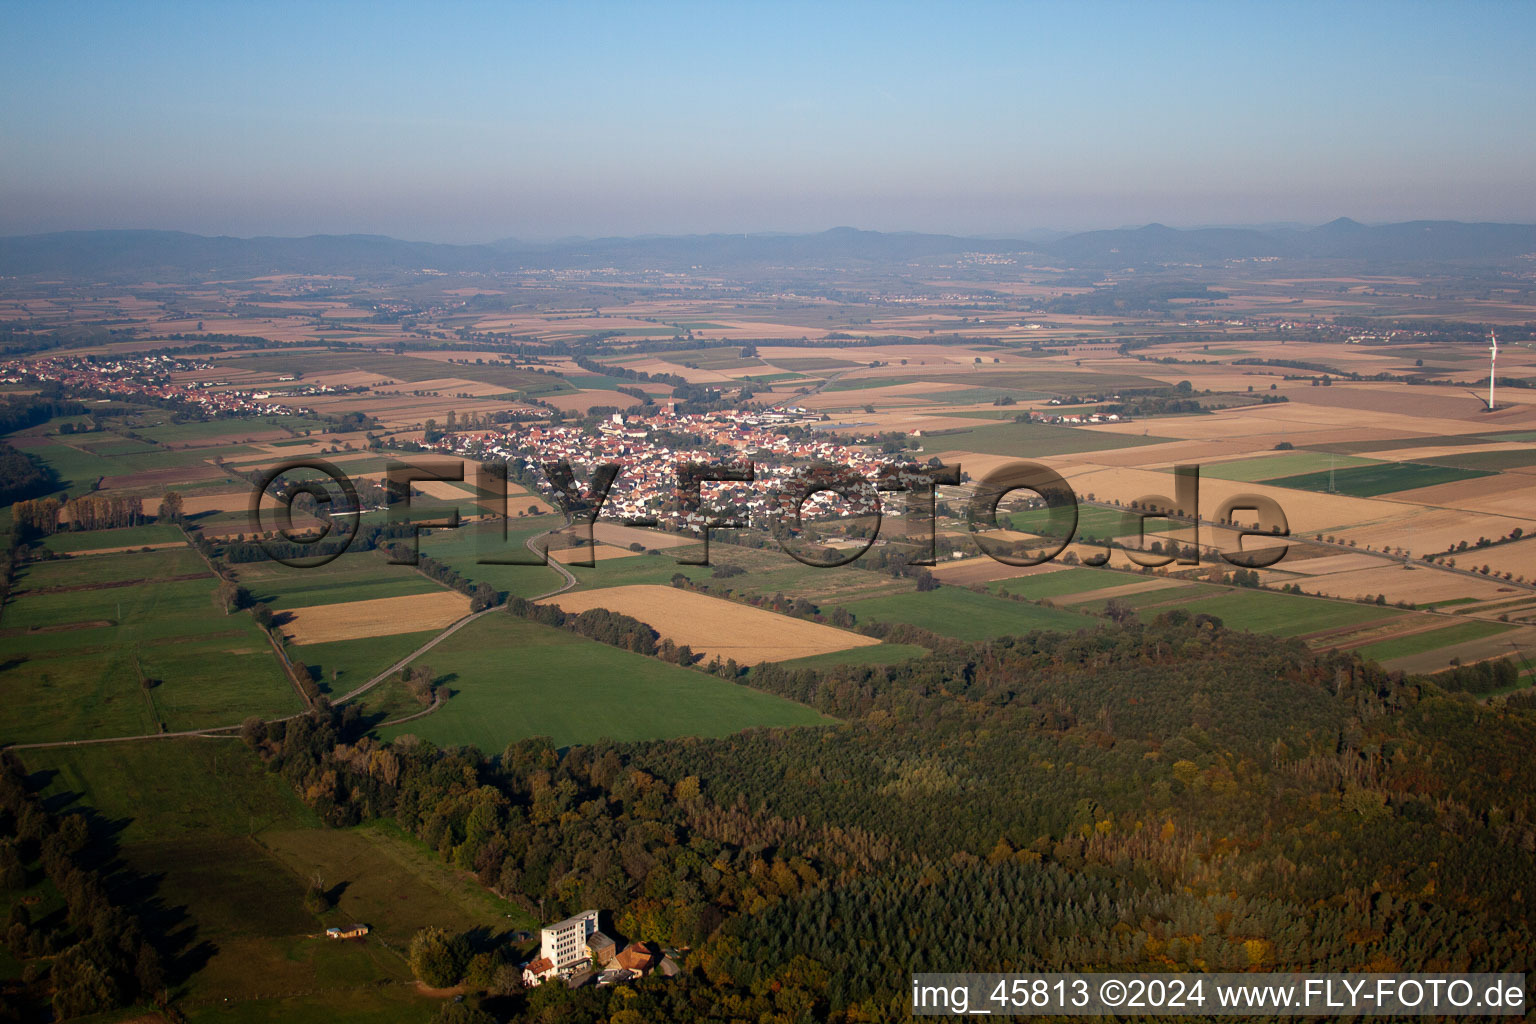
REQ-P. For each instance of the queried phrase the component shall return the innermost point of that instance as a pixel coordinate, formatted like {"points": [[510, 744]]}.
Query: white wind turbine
{"points": [[1493, 359]]}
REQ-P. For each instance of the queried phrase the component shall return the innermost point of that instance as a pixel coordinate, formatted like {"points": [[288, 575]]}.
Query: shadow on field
{"points": [[170, 929]]}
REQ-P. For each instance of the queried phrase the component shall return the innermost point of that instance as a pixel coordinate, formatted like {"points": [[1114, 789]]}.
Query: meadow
{"points": [[511, 679], [231, 872], [1063, 583], [1266, 468], [404, 368], [462, 550], [114, 660], [79, 468], [966, 615], [1430, 640], [342, 665], [1286, 614], [880, 654], [354, 576], [1382, 478], [126, 537]]}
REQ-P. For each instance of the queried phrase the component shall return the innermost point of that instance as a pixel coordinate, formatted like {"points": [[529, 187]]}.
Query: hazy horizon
{"points": [[1043, 235], [472, 123]]}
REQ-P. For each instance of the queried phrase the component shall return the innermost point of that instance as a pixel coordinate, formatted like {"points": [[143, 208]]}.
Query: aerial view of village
{"points": [[674, 626]]}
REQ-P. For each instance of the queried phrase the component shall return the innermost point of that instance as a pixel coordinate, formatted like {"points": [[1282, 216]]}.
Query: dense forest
{"points": [[1146, 797]]}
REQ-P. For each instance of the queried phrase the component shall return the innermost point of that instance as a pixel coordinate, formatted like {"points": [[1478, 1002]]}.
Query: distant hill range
{"points": [[173, 255]]}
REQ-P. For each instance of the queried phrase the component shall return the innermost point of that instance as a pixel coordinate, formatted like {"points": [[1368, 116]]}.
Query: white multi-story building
{"points": [[564, 943]]}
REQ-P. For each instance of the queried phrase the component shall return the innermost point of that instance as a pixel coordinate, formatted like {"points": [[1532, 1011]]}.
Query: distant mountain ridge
{"points": [[148, 254]]}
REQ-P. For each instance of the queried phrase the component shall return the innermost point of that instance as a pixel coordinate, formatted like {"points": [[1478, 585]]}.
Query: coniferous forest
{"points": [[1169, 796]]}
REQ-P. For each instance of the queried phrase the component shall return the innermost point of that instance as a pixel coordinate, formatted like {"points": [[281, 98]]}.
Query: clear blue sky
{"points": [[469, 123]]}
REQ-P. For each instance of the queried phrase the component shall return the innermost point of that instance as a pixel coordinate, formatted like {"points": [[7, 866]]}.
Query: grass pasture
{"points": [[464, 549], [79, 468], [1492, 462], [880, 654], [105, 660], [1063, 583], [356, 576], [345, 664], [1431, 640], [231, 873], [1382, 478], [109, 570], [1260, 611], [1266, 468], [511, 679], [967, 615], [126, 537]]}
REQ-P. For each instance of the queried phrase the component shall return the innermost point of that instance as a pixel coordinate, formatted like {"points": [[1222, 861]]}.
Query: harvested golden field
{"points": [[1303, 422], [584, 400], [383, 616], [1418, 584], [1422, 530], [598, 553], [624, 536], [1508, 494], [1333, 563], [444, 490], [223, 501], [716, 627]]}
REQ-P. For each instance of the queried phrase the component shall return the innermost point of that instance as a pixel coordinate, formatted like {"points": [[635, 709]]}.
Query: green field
{"points": [[1063, 583], [726, 357], [355, 576], [1093, 522], [1383, 478], [813, 363], [159, 790], [346, 664], [966, 615], [1492, 462], [1419, 643], [129, 536], [1026, 440], [973, 396], [1180, 591], [511, 679], [1286, 614], [77, 660], [1053, 381], [1268, 467], [462, 549], [405, 368], [882, 654], [79, 469], [83, 571], [190, 433], [231, 873]]}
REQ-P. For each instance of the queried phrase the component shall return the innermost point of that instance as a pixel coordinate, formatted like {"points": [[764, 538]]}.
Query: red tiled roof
{"points": [[636, 957]]}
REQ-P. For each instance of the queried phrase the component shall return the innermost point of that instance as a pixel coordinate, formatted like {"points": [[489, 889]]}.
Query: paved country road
{"points": [[229, 731]]}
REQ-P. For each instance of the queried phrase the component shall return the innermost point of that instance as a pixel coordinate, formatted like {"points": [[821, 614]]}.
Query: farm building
{"points": [[351, 931], [602, 948], [638, 957]]}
